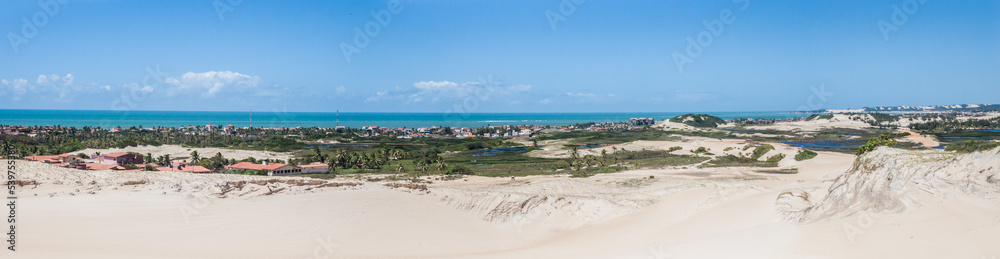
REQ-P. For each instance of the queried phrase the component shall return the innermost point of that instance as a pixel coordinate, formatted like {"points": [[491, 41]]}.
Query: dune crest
{"points": [[893, 180]]}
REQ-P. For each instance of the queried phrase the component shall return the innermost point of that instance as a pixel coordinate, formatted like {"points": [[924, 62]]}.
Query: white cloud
{"points": [[581, 94], [341, 90], [16, 88], [433, 91], [545, 101], [210, 83], [436, 86], [381, 96], [106, 87], [68, 79]]}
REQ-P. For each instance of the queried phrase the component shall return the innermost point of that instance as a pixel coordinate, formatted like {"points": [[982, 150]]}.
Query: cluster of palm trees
{"points": [[424, 165], [359, 160]]}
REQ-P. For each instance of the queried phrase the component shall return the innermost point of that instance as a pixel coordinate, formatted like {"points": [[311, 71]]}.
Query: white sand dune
{"points": [[894, 203]]}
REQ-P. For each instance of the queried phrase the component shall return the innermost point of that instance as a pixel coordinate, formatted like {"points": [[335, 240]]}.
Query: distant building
{"points": [[315, 168], [121, 158], [182, 167], [641, 121], [271, 169]]}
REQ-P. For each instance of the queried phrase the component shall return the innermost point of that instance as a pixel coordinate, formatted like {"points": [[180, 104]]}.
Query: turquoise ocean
{"points": [[110, 119]]}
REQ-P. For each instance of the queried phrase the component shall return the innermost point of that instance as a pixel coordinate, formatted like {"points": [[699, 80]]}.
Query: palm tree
{"points": [[318, 155], [441, 165], [422, 166], [194, 157], [400, 168]]}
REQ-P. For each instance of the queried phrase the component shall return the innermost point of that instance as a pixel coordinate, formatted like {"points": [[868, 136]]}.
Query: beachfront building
{"points": [[315, 168], [271, 169], [56, 159], [120, 158], [182, 167], [642, 121]]}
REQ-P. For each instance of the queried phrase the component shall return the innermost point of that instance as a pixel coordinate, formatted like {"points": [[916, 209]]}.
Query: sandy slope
{"points": [[838, 121], [951, 210]]}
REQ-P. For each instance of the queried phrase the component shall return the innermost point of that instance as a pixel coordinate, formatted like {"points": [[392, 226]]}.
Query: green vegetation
{"points": [[944, 124], [775, 158], [761, 151], [699, 120], [805, 155], [873, 143], [970, 146]]}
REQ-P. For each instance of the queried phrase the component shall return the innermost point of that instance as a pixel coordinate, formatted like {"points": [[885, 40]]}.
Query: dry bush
{"points": [[274, 191], [135, 182], [298, 182], [413, 186], [22, 183], [264, 182]]}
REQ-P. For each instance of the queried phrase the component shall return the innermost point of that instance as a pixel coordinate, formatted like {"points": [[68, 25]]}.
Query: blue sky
{"points": [[497, 56]]}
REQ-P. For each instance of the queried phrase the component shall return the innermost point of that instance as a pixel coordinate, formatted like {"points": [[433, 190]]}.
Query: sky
{"points": [[497, 56]]}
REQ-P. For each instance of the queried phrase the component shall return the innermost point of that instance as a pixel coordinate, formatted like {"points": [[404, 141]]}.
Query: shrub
{"points": [[776, 158], [761, 151], [970, 146], [699, 120], [805, 155], [461, 170], [672, 149], [700, 150], [561, 164], [873, 143]]}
